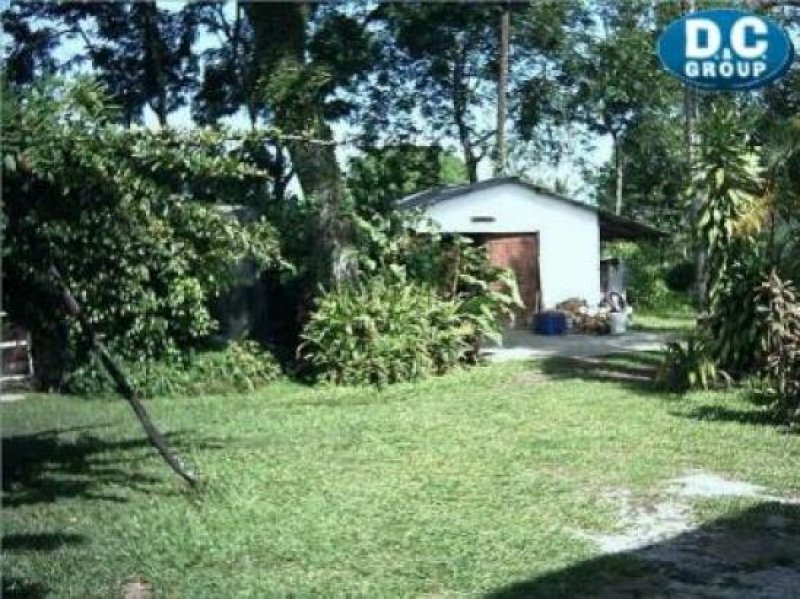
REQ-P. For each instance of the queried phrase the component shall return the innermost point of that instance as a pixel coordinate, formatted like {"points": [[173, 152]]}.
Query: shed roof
{"points": [[611, 225]]}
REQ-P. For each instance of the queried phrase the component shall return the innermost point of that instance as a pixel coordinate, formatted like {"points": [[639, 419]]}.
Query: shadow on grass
{"points": [[634, 370], [41, 541], [755, 415], [14, 586], [20, 588], [45, 466], [755, 553]]}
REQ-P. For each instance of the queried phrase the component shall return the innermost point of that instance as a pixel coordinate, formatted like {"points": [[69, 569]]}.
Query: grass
{"points": [[679, 318], [664, 323], [463, 484]]}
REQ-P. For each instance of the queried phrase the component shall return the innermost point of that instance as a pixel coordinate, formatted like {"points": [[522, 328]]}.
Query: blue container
{"points": [[551, 323]]}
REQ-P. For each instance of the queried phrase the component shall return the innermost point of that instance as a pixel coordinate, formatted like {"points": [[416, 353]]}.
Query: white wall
{"points": [[569, 236]]}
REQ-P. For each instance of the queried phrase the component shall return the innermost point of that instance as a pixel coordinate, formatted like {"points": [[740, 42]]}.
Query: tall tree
{"points": [[655, 174], [502, 91], [440, 65], [142, 54], [439, 76], [544, 38], [29, 47], [616, 79], [301, 70], [230, 69]]}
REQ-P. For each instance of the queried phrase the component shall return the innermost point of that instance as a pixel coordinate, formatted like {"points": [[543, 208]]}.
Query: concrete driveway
{"points": [[524, 345]]}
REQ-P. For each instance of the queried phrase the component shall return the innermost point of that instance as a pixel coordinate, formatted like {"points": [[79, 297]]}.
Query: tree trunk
{"points": [[153, 50], [619, 174], [459, 89], [691, 141], [315, 165], [502, 92], [123, 385]]}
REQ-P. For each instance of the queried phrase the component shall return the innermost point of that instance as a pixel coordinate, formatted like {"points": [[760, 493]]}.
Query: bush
{"points": [[688, 365], [382, 330], [680, 277], [647, 287], [736, 326], [241, 366], [417, 303], [781, 345], [452, 265]]}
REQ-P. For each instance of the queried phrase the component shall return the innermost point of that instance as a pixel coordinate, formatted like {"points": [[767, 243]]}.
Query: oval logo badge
{"points": [[725, 49]]}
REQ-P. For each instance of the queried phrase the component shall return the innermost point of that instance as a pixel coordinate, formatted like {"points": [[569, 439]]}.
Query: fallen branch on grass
{"points": [[123, 385]]}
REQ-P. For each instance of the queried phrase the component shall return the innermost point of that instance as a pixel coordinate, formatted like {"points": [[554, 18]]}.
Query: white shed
{"points": [[551, 242]]}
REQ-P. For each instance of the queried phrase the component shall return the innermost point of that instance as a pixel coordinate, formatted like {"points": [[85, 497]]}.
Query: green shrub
{"points": [[452, 265], [736, 326], [241, 366], [647, 286], [382, 330], [680, 277], [419, 303], [688, 365]]}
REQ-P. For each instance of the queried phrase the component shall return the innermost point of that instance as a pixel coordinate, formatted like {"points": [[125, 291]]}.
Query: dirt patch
{"points": [[136, 588], [696, 483], [751, 555]]}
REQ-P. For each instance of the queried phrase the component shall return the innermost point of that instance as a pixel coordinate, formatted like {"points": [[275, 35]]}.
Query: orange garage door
{"points": [[520, 253]]}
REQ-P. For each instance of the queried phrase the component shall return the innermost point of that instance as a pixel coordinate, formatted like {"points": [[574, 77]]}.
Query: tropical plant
{"points": [[688, 364], [735, 327], [728, 179], [779, 304], [382, 330], [407, 245], [419, 302]]}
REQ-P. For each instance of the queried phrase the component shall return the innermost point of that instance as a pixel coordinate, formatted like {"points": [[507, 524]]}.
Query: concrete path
{"points": [[11, 397], [523, 345]]}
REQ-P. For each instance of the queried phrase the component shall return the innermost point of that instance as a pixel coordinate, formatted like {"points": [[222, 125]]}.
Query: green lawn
{"points": [[464, 484], [680, 319]]}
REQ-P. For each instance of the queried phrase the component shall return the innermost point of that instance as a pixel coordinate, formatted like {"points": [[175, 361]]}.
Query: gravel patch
{"points": [[697, 483]]}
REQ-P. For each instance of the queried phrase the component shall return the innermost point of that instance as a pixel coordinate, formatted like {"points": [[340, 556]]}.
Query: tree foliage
{"points": [[142, 54], [381, 176], [441, 61], [617, 83], [130, 218]]}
